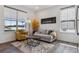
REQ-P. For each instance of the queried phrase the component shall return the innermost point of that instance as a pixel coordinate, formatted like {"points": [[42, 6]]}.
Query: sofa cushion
{"points": [[43, 31], [42, 35], [49, 32]]}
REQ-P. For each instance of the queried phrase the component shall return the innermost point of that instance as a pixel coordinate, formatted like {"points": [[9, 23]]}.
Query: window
{"points": [[21, 25], [78, 21], [10, 24], [67, 19], [21, 20], [10, 17]]}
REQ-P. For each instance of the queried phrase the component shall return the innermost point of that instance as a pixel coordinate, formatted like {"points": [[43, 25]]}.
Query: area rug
{"points": [[63, 48], [43, 47]]}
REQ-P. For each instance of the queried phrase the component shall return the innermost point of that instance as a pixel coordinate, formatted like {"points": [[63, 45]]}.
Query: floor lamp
{"points": [[29, 27]]}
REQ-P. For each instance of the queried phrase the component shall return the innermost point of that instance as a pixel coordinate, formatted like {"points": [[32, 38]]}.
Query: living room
{"points": [[37, 13]]}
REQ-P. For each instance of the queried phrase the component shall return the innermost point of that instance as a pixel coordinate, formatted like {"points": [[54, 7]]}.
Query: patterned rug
{"points": [[43, 47], [63, 48]]}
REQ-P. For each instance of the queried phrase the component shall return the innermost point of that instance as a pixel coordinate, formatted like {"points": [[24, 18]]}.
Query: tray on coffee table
{"points": [[33, 41]]}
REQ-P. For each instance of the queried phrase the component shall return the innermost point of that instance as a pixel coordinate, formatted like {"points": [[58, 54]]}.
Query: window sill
{"points": [[9, 30], [68, 31]]}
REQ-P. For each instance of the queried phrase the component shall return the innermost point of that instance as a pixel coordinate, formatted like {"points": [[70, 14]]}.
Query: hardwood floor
{"points": [[9, 48]]}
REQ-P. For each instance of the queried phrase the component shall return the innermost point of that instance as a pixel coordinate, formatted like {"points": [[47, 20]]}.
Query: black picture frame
{"points": [[49, 20]]}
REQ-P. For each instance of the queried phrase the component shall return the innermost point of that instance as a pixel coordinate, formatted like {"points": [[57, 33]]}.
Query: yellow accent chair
{"points": [[21, 35]]}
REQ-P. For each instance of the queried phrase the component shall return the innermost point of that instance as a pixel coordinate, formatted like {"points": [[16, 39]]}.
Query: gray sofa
{"points": [[43, 35]]}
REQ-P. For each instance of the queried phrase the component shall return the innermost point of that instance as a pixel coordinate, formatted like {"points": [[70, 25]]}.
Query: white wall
{"points": [[55, 12], [6, 36]]}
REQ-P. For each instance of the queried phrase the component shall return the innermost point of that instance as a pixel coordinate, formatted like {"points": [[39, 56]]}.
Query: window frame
{"points": [[19, 26], [16, 19], [68, 31]]}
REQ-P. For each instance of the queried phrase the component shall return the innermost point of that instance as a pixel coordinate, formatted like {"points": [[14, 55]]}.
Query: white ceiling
{"points": [[38, 7], [33, 7]]}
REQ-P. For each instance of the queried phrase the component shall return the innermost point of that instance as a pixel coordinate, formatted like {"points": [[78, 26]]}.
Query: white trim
{"points": [[68, 45]]}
